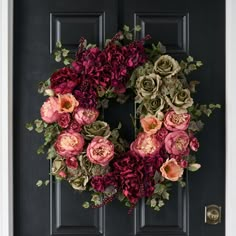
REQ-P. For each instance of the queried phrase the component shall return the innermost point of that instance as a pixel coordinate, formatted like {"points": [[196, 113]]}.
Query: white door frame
{"points": [[6, 121]]}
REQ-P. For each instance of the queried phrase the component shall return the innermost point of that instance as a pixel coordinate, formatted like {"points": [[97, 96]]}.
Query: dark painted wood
{"points": [[195, 27]]}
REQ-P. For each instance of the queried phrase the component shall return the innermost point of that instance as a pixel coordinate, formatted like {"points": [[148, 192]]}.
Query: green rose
{"points": [[80, 183], [154, 106], [170, 86], [181, 101], [147, 86], [166, 66], [97, 128], [58, 165]]}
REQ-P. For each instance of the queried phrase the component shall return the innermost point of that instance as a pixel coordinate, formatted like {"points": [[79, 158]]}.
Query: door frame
{"points": [[6, 117]]}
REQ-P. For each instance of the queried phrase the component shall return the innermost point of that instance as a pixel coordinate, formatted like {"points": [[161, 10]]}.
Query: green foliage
{"points": [[62, 54]]}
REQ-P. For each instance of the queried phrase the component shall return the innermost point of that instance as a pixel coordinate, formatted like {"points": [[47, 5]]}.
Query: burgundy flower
{"points": [[162, 133], [72, 162], [194, 144], [75, 126], [100, 183], [63, 81], [64, 120]]}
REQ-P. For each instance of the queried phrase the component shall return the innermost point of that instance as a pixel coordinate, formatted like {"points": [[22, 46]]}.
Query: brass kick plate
{"points": [[212, 214]]}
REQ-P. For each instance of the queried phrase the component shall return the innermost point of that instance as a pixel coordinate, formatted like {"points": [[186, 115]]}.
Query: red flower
{"points": [[63, 81], [64, 120], [72, 162]]}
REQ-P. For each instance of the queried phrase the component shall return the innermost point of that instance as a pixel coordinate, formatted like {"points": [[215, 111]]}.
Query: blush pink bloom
{"points": [[171, 170], [67, 102], [194, 144], [177, 142], [72, 162], [85, 116], [173, 121], [49, 110], [69, 143], [150, 124], [62, 174], [100, 151], [146, 145]]}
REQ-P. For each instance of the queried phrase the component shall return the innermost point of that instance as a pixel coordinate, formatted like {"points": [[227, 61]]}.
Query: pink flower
{"points": [[67, 102], [100, 151], [62, 174], [75, 126], [72, 162], [194, 144], [171, 170], [69, 143], [176, 142], [85, 116], [173, 121], [162, 133], [64, 120], [49, 110], [146, 145], [150, 124]]}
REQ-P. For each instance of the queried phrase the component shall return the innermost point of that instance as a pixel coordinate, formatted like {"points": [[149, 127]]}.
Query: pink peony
{"points": [[177, 142], [162, 133], [49, 110], [64, 120], [75, 126], [171, 170], [72, 162], [150, 124], [194, 144], [146, 145], [85, 116], [69, 143], [173, 121], [67, 102], [100, 151]]}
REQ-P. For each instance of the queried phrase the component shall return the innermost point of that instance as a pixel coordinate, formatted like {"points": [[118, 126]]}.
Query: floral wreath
{"points": [[91, 156]]}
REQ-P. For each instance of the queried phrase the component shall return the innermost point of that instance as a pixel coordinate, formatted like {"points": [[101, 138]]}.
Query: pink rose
{"points": [[100, 151], [49, 110], [69, 143], [67, 102], [171, 170], [146, 145], [85, 116], [194, 144], [62, 174], [162, 133], [64, 120], [173, 121], [72, 162], [177, 142], [150, 124], [75, 126]]}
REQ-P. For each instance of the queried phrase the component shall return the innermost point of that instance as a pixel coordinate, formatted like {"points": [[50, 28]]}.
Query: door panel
{"points": [[185, 27]]}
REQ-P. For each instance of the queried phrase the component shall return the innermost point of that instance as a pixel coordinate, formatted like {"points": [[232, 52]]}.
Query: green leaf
{"points": [[29, 126], [192, 85], [165, 195], [58, 58], [126, 28], [194, 167], [199, 63], [192, 67], [39, 183], [153, 202], [46, 182], [127, 204], [40, 150], [129, 36], [161, 203], [65, 52], [66, 61], [86, 205], [119, 125], [161, 48], [189, 59], [157, 208], [137, 28], [58, 44]]}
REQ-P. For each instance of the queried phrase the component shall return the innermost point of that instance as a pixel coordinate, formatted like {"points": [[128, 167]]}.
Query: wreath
{"points": [[91, 156]]}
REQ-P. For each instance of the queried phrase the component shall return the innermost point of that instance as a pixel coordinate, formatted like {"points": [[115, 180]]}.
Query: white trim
{"points": [[230, 117], [6, 186]]}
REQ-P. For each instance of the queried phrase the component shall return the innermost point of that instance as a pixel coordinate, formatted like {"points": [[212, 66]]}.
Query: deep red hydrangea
{"points": [[100, 183], [63, 81]]}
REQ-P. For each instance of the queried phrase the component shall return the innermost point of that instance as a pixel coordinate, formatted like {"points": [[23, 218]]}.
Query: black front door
{"points": [[185, 27]]}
